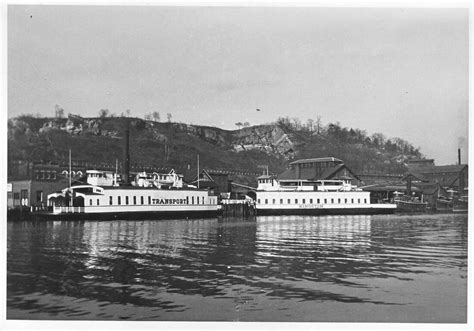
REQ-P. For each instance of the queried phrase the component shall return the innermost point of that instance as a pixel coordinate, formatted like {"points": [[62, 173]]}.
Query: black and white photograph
{"points": [[260, 164]]}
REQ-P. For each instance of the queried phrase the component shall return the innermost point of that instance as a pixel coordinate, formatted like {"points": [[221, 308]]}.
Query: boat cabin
{"points": [[267, 183], [101, 178], [159, 180]]}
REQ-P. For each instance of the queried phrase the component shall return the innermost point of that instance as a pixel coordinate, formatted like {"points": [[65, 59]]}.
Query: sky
{"points": [[403, 72]]}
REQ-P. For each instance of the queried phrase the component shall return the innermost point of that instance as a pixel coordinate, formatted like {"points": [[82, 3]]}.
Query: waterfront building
{"points": [[29, 183], [323, 168]]}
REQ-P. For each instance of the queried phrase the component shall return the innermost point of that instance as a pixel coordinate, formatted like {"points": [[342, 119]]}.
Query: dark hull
{"points": [[335, 211], [406, 206], [124, 215]]}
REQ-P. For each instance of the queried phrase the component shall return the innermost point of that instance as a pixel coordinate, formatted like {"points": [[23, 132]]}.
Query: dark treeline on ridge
{"points": [[176, 145]]}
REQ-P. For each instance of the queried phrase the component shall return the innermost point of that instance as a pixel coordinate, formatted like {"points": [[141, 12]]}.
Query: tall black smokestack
{"points": [[459, 156], [126, 155]]}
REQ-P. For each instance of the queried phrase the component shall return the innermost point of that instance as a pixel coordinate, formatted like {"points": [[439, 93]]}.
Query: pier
{"points": [[234, 207]]}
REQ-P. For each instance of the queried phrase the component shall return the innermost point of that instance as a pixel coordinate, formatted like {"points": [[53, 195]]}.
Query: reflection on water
{"points": [[285, 268]]}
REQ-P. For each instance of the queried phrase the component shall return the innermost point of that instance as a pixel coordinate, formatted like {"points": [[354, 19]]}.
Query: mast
{"points": [[116, 171], [70, 173], [198, 170]]}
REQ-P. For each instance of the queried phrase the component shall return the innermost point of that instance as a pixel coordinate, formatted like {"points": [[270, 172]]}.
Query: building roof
{"points": [[420, 161], [290, 174], [415, 176], [443, 169], [287, 174], [316, 160], [444, 175], [390, 188], [265, 177]]}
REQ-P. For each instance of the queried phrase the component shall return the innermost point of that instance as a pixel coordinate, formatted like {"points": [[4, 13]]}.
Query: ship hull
{"points": [[318, 203], [143, 215], [327, 211]]}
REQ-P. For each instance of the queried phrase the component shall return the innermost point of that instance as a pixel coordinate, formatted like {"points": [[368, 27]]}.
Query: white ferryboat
{"points": [[154, 195], [314, 197]]}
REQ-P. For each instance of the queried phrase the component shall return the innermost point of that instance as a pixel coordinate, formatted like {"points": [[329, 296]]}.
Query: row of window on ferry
{"points": [[142, 200], [318, 201]]}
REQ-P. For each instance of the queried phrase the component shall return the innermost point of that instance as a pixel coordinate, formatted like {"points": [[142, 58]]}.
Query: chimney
{"points": [[126, 156], [459, 156]]}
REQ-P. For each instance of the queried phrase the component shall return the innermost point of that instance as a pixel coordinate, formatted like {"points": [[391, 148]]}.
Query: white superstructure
{"points": [[148, 194], [313, 197]]}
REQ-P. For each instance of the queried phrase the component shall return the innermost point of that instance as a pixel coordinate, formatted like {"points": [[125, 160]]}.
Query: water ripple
{"points": [[234, 269]]}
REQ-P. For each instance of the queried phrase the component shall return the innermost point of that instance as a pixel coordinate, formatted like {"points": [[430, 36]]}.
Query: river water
{"points": [[336, 268]]}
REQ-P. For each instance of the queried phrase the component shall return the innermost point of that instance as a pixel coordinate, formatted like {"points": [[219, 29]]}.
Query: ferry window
{"points": [[332, 200], [110, 201], [273, 201], [187, 200], [126, 200], [266, 201], [149, 200], [90, 202], [281, 201], [296, 200], [310, 200], [358, 200], [352, 200], [304, 201], [119, 200], [97, 202], [192, 200], [258, 201], [141, 199], [338, 200], [345, 200], [289, 201], [325, 200], [365, 200], [134, 200]]}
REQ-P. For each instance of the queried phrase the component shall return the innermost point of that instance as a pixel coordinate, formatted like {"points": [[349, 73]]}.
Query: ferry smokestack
{"points": [[126, 155], [459, 156]]}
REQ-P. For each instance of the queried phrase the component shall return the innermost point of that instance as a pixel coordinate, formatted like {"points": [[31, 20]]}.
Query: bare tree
{"points": [[297, 123], [319, 124], [156, 116], [127, 112], [169, 117], [58, 111], [239, 124], [246, 124], [103, 113]]}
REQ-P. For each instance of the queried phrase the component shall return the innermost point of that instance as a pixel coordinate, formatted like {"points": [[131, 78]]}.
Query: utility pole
{"points": [[70, 179], [198, 170]]}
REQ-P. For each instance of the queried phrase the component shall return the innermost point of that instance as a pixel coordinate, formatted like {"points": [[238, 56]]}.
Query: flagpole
{"points": [[70, 173], [198, 170]]}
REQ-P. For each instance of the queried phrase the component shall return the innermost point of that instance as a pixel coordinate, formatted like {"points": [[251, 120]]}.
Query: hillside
{"points": [[176, 145]]}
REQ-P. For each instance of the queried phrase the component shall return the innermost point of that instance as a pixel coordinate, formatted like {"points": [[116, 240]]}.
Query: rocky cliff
{"points": [[177, 144]]}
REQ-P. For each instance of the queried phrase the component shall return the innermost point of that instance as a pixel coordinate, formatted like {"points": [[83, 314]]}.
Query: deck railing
{"points": [[66, 209]]}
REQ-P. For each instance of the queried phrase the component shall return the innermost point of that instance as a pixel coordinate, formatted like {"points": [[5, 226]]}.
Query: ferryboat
{"points": [[149, 195], [314, 197]]}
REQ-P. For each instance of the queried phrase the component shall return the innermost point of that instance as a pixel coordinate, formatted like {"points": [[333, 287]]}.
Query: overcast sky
{"points": [[401, 72]]}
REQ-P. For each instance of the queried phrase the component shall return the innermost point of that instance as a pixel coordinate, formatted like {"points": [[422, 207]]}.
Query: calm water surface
{"points": [[335, 268]]}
